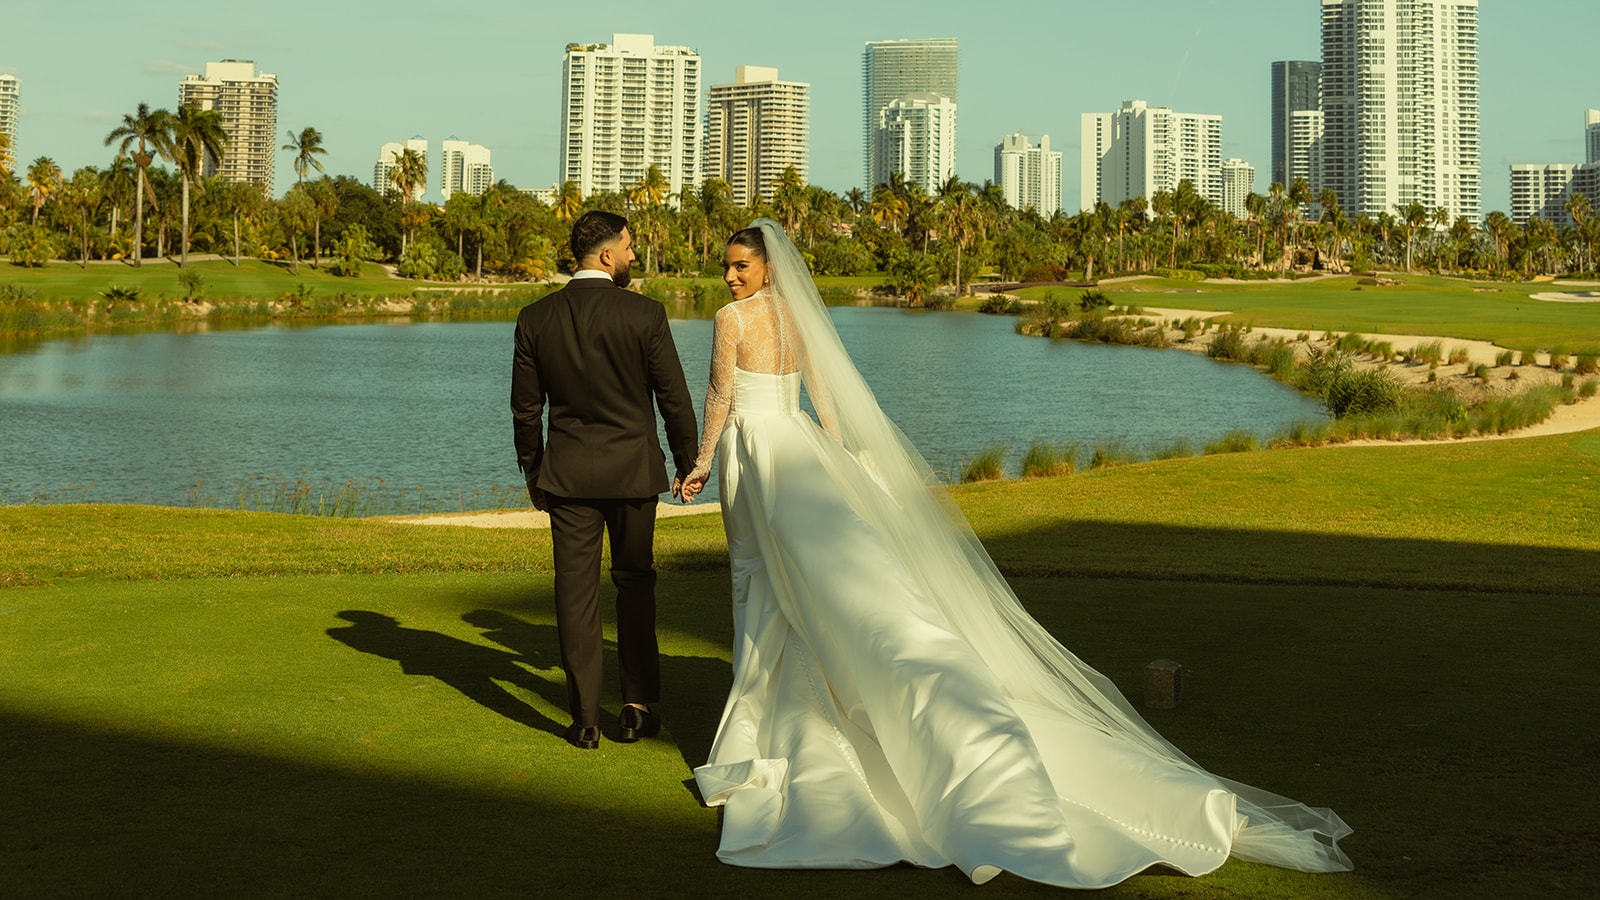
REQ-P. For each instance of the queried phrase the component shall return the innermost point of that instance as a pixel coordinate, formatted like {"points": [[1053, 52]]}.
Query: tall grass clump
{"points": [[1045, 460], [1112, 453], [1301, 433], [1558, 357], [1277, 357], [1430, 352], [1229, 343], [1587, 361], [1173, 449], [1459, 354], [1528, 356], [1235, 441], [1351, 343], [1503, 359], [988, 465], [1589, 388], [1504, 414]]}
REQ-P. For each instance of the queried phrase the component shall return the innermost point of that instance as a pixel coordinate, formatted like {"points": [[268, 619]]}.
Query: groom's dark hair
{"points": [[593, 230]]}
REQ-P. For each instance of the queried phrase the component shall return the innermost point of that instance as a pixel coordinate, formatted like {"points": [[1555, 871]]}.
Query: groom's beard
{"points": [[622, 276]]}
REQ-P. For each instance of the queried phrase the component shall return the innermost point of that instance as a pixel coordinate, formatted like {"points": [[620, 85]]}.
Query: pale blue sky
{"points": [[488, 71]]}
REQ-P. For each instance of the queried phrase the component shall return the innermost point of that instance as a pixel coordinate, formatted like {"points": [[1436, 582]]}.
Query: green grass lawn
{"points": [[1422, 304], [253, 279], [241, 704]]}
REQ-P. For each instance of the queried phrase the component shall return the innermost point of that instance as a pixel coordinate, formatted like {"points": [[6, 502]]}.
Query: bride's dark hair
{"points": [[751, 239]]}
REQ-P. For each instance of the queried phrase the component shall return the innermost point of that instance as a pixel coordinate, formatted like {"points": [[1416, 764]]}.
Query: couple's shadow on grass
{"points": [[479, 672]]}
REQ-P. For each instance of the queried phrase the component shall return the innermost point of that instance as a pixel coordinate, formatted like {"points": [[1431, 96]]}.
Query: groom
{"points": [[595, 356]]}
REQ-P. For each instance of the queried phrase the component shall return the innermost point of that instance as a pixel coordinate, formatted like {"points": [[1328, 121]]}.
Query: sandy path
{"points": [[532, 518]]}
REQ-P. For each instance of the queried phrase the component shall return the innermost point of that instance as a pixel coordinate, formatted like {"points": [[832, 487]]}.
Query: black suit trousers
{"points": [[577, 527]]}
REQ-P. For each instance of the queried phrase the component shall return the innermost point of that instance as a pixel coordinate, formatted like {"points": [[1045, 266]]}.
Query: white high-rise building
{"points": [[628, 105], [1544, 190], [1141, 149], [1591, 136], [891, 70], [1238, 183], [917, 138], [247, 100], [383, 170], [10, 110], [464, 167], [1400, 101], [1029, 176], [756, 128], [1304, 160]]}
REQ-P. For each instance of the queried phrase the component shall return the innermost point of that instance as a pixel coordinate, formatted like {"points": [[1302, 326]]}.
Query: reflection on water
{"points": [[170, 417]]}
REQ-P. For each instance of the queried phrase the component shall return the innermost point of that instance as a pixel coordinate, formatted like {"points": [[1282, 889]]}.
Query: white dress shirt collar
{"points": [[591, 273]]}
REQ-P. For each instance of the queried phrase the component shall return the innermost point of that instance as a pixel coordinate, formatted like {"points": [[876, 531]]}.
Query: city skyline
{"points": [[505, 87]]}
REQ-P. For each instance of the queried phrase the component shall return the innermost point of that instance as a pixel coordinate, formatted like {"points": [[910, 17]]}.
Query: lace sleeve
{"points": [[719, 396]]}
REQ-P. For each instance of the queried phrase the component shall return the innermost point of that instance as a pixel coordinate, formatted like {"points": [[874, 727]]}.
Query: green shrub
{"points": [[1345, 389], [1351, 342], [1590, 385], [1482, 371], [996, 305]]}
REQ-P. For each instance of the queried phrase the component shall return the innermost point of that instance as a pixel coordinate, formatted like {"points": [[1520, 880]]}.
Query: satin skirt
{"points": [[863, 731]]}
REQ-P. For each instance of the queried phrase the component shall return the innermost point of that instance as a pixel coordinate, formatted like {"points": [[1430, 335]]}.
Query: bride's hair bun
{"points": [[750, 238]]}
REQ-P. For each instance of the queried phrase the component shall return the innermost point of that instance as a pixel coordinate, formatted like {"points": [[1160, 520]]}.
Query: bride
{"points": [[892, 701]]}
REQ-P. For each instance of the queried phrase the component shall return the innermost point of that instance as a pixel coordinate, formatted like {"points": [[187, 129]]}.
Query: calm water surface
{"points": [[147, 417]]}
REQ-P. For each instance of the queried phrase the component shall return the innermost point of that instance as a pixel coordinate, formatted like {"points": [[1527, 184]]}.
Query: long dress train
{"points": [[891, 699]]}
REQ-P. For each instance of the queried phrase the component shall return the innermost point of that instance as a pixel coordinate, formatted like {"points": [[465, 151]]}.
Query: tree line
{"points": [[153, 197]]}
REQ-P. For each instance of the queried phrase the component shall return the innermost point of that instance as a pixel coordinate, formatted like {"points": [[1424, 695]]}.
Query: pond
{"points": [[194, 418]]}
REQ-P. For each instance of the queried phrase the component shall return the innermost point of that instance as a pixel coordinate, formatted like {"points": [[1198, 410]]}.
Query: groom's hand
{"points": [[536, 497]]}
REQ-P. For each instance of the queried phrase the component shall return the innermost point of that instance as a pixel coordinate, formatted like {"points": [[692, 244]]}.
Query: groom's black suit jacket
{"points": [[597, 356]]}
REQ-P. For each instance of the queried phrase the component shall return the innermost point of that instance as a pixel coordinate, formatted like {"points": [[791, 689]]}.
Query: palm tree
{"points": [[152, 131], [789, 197], [82, 194], [197, 134], [959, 214], [118, 182], [306, 146], [44, 182], [889, 209], [1578, 208], [1499, 226], [7, 160], [242, 201], [569, 201], [651, 189], [1415, 218], [410, 169]]}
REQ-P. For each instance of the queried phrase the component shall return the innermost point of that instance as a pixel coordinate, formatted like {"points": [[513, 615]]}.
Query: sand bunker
{"points": [[1574, 297]]}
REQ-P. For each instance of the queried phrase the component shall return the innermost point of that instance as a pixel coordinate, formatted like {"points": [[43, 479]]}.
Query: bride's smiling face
{"points": [[742, 271]]}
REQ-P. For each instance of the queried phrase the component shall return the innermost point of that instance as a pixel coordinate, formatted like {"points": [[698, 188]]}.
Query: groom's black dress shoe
{"points": [[638, 723], [584, 737]]}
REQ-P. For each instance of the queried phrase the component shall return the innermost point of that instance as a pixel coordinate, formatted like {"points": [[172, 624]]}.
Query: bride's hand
{"points": [[687, 489]]}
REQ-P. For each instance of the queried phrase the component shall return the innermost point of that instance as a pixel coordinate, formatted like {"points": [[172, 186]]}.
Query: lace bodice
{"points": [[751, 335]]}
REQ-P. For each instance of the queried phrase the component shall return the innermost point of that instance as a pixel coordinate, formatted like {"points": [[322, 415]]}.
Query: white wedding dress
{"points": [[882, 711]]}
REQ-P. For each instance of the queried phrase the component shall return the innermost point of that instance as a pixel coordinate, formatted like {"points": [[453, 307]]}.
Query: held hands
{"points": [[685, 489]]}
